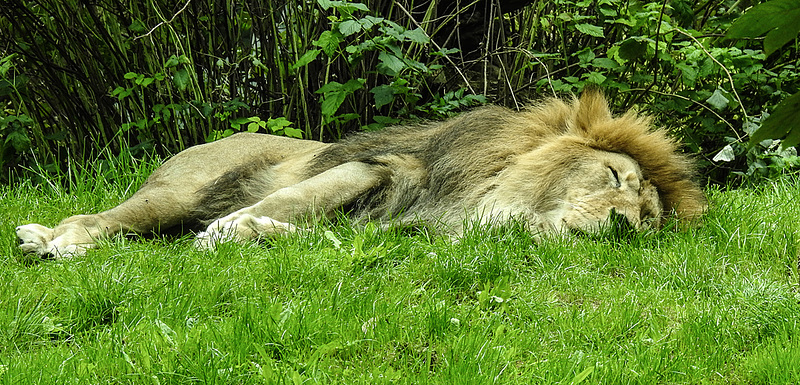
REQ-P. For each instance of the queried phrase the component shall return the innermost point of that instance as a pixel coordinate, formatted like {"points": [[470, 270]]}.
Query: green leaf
{"points": [[329, 42], [359, 6], [352, 85], [327, 4], [370, 21], [781, 35], [343, 118], [390, 64], [18, 139], [171, 62], [307, 58], [331, 103], [633, 48], [604, 62], [6, 64], [206, 109], [446, 51], [718, 99], [393, 29], [278, 123], [595, 78], [332, 86], [688, 73], [335, 92], [293, 132], [586, 56], [181, 79], [384, 94], [117, 90], [144, 82], [417, 36], [238, 122], [783, 123], [349, 27], [779, 19], [589, 29], [608, 12], [137, 26]]}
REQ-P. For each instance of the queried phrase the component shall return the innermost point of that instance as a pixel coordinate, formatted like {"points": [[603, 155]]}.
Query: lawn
{"points": [[716, 304]]}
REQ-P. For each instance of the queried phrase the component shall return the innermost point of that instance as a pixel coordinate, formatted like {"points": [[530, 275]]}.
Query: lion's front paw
{"points": [[38, 239], [240, 228], [34, 238]]}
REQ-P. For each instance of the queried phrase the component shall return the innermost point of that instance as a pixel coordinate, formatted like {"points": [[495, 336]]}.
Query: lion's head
{"points": [[588, 166], [595, 186]]}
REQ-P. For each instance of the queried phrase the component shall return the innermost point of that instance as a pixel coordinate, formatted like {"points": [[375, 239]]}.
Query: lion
{"points": [[558, 166]]}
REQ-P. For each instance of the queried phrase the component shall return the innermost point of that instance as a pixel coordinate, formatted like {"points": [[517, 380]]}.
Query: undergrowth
{"points": [[78, 79]]}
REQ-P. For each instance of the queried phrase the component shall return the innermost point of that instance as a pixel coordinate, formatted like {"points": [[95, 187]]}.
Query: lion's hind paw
{"points": [[240, 227], [209, 239]]}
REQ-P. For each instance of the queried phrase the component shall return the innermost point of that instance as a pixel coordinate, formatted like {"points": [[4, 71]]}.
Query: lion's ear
{"points": [[591, 109]]}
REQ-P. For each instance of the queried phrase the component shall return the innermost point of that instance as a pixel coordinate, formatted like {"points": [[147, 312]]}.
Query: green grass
{"points": [[717, 304]]}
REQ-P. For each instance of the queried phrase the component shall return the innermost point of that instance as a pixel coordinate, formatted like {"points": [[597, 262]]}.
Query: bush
{"points": [[78, 78]]}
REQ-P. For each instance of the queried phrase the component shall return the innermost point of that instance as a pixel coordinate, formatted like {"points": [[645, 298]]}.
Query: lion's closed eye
{"points": [[615, 177]]}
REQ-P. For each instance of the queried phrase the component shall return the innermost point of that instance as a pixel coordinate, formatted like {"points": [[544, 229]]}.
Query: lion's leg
{"points": [[146, 211], [161, 203], [170, 196], [319, 195], [73, 236]]}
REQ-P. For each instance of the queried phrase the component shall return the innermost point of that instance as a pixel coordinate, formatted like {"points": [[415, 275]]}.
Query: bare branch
{"points": [[163, 22]]}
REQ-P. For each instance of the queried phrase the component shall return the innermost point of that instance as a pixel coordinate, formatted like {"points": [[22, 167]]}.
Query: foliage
{"points": [[14, 127], [170, 74], [780, 21], [394, 51], [78, 77]]}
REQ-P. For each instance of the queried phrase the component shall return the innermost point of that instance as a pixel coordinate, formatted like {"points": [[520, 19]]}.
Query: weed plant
{"points": [[359, 304]]}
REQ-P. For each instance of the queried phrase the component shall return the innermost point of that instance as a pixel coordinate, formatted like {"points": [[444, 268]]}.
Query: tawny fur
{"points": [[453, 158]]}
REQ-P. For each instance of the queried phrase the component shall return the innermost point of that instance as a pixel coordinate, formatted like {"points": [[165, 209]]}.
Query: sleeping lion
{"points": [[558, 166]]}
